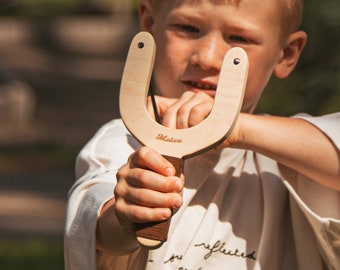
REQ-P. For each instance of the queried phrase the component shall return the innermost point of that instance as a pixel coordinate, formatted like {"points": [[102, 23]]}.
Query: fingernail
{"points": [[178, 186], [166, 214], [177, 202]]}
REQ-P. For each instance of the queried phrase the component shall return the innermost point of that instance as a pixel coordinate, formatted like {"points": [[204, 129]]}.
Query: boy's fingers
{"points": [[130, 199], [198, 113], [170, 114], [194, 111], [141, 178], [142, 205], [148, 158], [153, 199], [130, 213], [189, 110]]}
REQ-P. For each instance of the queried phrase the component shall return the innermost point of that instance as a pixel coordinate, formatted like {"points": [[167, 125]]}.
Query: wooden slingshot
{"points": [[177, 144]]}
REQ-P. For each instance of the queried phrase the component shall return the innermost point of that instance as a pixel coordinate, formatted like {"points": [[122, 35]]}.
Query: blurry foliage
{"points": [[26, 253], [55, 7], [16, 158], [36, 7], [313, 87]]}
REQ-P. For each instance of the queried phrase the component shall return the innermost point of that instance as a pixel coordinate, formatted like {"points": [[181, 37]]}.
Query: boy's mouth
{"points": [[201, 86]]}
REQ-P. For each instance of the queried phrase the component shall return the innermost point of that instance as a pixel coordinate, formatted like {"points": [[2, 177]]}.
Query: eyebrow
{"points": [[236, 24]]}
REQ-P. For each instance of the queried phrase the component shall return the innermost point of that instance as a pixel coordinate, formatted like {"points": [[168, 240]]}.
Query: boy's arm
{"points": [[292, 142]]}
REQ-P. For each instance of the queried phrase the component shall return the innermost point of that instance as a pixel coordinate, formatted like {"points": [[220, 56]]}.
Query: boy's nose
{"points": [[209, 52]]}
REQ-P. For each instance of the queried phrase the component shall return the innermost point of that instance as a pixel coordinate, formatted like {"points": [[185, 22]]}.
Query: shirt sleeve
{"points": [[96, 169], [320, 205], [329, 124]]}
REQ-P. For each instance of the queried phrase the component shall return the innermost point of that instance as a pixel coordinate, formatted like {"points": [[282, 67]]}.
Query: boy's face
{"points": [[192, 37]]}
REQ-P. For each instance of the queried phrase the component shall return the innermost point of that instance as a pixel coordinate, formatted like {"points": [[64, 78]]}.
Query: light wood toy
{"points": [[177, 144]]}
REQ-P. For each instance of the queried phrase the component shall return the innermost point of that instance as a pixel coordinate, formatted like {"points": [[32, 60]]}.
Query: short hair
{"points": [[289, 11]]}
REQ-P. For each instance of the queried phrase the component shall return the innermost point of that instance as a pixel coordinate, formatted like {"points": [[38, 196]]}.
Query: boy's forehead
{"points": [[271, 6], [176, 3], [287, 12], [216, 2]]}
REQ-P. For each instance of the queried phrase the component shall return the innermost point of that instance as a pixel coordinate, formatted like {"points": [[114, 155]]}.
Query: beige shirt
{"points": [[241, 210]]}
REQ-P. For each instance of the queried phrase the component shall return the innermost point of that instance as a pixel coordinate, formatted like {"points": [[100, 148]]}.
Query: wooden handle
{"points": [[153, 234]]}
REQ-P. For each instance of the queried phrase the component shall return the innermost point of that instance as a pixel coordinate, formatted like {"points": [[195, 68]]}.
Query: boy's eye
{"points": [[189, 28], [238, 39]]}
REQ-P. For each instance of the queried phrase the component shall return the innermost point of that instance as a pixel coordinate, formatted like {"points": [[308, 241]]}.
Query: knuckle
{"points": [[197, 110], [183, 109], [143, 152], [202, 96], [197, 114], [172, 110], [119, 207], [120, 174], [143, 177], [188, 94], [118, 191]]}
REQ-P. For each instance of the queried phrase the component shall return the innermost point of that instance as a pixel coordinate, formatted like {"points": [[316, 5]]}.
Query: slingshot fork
{"points": [[177, 144]]}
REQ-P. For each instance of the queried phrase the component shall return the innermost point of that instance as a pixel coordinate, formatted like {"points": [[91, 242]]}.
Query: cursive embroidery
{"points": [[165, 138], [219, 247], [182, 268], [173, 258]]}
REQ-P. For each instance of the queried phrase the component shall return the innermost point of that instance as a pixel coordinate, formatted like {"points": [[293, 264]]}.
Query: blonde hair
{"points": [[289, 11]]}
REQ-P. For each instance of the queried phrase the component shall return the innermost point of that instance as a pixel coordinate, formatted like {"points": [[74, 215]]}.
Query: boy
{"points": [[267, 198]]}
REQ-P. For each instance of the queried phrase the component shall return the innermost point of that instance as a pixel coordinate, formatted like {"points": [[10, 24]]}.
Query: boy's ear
{"points": [[145, 16], [290, 54]]}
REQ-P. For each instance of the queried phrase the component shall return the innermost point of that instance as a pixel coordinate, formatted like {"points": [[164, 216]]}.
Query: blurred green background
{"points": [[64, 60]]}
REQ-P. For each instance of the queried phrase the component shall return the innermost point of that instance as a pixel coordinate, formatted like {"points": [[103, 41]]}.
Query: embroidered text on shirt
{"points": [[173, 258], [219, 247]]}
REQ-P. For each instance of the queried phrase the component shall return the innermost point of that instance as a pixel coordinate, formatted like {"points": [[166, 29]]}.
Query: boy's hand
{"points": [[147, 189], [189, 110]]}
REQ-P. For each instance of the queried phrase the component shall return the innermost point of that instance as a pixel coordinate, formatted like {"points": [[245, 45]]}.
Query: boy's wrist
{"points": [[251, 129], [111, 237], [236, 138]]}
